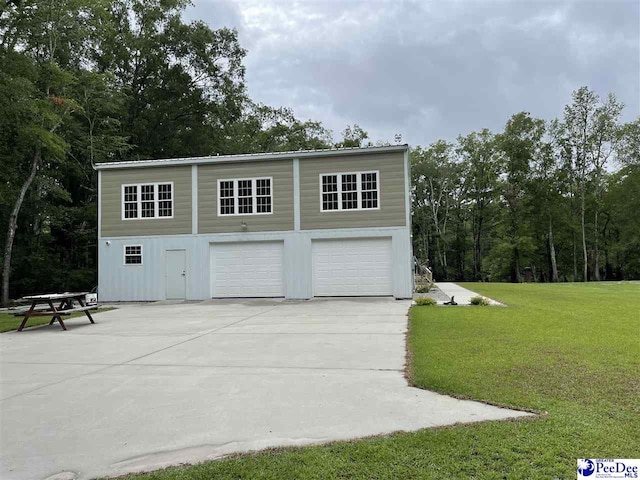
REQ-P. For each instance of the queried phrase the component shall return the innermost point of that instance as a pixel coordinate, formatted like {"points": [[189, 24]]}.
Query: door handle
{"points": [[183, 273]]}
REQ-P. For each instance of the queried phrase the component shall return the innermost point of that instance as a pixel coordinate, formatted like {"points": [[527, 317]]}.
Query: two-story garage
{"points": [[289, 224]]}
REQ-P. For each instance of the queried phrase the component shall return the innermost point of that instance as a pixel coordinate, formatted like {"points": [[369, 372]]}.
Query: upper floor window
{"points": [[246, 196], [147, 200], [349, 191]]}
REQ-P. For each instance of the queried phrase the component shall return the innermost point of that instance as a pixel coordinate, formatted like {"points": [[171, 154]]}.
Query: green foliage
{"points": [[479, 300], [437, 187], [353, 137], [267, 129], [622, 221], [422, 288], [510, 249], [541, 196], [425, 301], [628, 143]]}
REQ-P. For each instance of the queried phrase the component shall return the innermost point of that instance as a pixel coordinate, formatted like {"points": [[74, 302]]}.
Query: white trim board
{"points": [[316, 232], [407, 206], [194, 199], [296, 194], [99, 204]]}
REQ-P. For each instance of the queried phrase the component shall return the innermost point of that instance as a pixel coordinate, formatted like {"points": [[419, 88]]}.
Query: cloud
{"points": [[432, 70]]}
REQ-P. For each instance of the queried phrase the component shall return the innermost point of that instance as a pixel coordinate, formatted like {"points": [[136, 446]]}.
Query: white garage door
{"points": [[247, 269], [352, 267]]}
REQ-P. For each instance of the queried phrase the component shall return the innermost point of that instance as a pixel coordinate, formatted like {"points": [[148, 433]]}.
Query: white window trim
{"points": [[124, 256], [254, 196], [156, 200], [358, 190]]}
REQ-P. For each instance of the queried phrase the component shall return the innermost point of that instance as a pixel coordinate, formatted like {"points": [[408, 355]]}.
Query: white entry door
{"points": [[176, 274], [352, 267], [247, 269]]}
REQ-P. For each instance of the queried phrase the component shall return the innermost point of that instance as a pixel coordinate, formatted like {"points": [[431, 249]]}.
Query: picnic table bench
{"points": [[65, 307]]}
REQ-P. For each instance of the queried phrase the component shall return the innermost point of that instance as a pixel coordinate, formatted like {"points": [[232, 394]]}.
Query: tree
{"points": [[183, 82], [478, 150], [435, 176], [536, 194], [544, 194], [604, 136], [36, 39], [628, 143], [621, 203], [267, 129], [590, 130], [577, 127], [518, 145], [353, 137]]}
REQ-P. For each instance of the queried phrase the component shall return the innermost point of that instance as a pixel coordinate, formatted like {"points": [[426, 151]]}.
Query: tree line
{"points": [[541, 201], [87, 81]]}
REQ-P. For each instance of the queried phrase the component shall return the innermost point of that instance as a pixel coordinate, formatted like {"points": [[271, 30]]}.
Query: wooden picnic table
{"points": [[65, 307]]}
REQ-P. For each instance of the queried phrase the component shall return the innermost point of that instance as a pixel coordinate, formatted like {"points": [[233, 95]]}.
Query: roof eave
{"points": [[252, 157]]}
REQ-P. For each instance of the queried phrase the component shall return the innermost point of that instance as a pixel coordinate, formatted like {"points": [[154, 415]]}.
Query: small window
{"points": [[369, 190], [133, 254], [330, 192], [263, 195], [226, 197], [165, 200], [246, 196], [131, 201], [349, 191], [145, 201]]}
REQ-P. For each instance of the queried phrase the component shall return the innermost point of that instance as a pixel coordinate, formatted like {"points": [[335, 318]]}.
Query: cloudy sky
{"points": [[430, 70]]}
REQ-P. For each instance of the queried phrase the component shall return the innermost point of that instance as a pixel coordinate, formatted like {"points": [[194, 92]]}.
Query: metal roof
{"points": [[327, 152]]}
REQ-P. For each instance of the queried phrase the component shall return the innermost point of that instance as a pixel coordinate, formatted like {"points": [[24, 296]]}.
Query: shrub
{"points": [[425, 301], [479, 300], [422, 288]]}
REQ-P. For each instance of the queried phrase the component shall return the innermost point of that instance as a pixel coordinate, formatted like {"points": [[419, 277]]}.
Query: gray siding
{"points": [[118, 282], [111, 198], [392, 192], [282, 189]]}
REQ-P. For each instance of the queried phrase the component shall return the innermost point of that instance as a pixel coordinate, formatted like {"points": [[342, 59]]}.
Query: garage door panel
{"points": [[352, 267], [247, 269]]}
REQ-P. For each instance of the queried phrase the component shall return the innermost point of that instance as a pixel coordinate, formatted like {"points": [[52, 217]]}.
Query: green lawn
{"points": [[568, 351], [9, 322]]}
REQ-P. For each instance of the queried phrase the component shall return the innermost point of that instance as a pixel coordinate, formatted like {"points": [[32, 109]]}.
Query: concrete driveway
{"points": [[160, 384]]}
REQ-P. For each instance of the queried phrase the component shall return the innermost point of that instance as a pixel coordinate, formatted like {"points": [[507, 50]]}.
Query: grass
{"points": [[9, 322], [570, 352]]}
